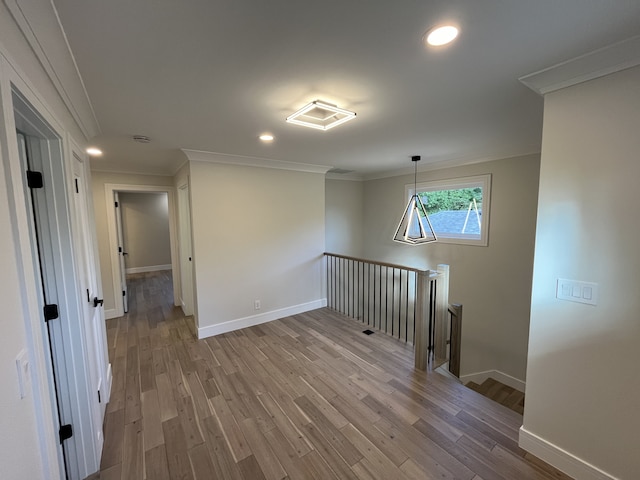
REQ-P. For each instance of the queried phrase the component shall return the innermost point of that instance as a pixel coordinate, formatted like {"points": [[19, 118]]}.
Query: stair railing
{"points": [[407, 303]]}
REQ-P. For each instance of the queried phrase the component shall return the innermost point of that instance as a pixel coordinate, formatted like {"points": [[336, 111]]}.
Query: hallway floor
{"points": [[305, 397]]}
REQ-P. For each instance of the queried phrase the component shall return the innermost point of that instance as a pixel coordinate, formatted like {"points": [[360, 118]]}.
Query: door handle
{"points": [[98, 301]]}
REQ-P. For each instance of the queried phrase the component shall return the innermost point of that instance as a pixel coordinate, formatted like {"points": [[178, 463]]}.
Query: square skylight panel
{"points": [[320, 115]]}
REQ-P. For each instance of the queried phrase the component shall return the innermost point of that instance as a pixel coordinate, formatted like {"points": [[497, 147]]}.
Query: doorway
{"points": [[119, 251], [186, 250], [51, 253]]}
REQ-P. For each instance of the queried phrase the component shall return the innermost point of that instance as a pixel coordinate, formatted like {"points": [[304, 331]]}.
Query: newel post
{"points": [[421, 340]]}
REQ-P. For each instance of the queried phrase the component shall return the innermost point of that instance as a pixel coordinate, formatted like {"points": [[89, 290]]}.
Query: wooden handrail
{"points": [[373, 262]]}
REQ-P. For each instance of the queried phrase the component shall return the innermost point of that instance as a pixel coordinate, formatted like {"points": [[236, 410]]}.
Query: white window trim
{"points": [[455, 183]]}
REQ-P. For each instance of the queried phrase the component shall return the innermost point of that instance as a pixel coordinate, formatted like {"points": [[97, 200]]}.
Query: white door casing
{"points": [[121, 254], [186, 253], [110, 189], [50, 251]]}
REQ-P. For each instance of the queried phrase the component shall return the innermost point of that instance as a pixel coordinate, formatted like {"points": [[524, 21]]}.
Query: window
{"points": [[458, 209]]}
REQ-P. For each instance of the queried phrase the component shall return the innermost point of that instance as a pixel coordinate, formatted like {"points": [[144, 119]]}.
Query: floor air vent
{"points": [[368, 332]]}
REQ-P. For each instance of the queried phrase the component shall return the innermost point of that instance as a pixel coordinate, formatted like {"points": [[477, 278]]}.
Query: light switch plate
{"points": [[24, 374], [577, 291]]}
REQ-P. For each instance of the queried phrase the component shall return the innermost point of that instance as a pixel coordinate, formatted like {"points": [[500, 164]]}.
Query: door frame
{"points": [[109, 190], [18, 96], [187, 299]]}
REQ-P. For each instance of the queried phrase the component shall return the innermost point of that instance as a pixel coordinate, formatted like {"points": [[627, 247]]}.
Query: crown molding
{"points": [[53, 51], [601, 62], [239, 160], [348, 177]]}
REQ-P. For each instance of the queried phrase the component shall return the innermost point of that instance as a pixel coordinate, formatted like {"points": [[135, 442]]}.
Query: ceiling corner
{"points": [[598, 63]]}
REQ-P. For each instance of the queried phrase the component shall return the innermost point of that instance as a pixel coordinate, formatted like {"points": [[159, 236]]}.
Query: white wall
{"points": [[98, 181], [145, 227], [258, 234], [493, 283], [583, 382], [344, 217]]}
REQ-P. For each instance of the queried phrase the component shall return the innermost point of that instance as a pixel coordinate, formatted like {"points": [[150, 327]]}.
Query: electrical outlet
{"points": [[256, 304]]}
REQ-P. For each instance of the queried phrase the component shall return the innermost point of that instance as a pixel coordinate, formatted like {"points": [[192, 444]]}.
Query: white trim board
{"points": [[239, 323], [480, 377], [111, 313], [592, 65], [559, 458], [239, 160], [151, 268]]}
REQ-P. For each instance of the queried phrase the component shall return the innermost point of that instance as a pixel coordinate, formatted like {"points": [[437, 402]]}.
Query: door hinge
{"points": [[116, 204], [66, 432], [34, 179], [124, 293], [119, 249], [88, 296], [99, 399], [77, 189], [50, 312]]}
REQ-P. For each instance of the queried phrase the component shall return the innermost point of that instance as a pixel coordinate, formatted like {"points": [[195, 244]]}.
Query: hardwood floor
{"points": [[305, 397]]}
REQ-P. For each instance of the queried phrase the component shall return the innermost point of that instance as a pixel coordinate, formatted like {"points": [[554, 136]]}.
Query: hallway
{"points": [[305, 397]]}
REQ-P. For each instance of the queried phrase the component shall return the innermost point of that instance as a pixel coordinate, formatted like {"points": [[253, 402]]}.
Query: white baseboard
{"points": [[480, 377], [559, 458], [237, 324], [111, 313], [152, 268]]}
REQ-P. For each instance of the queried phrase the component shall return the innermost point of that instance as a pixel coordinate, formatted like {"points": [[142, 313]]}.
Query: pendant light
{"points": [[414, 227]]}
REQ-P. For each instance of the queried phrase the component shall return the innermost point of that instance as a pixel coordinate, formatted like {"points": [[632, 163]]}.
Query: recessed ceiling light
{"points": [[266, 137], [442, 35], [93, 151], [320, 115]]}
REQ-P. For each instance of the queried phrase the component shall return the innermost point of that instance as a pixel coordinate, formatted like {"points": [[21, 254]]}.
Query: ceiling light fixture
{"points": [[93, 151], [321, 116], [441, 35], [412, 227], [266, 137]]}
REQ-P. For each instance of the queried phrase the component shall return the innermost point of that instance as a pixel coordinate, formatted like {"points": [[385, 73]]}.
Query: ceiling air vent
{"points": [[141, 139]]}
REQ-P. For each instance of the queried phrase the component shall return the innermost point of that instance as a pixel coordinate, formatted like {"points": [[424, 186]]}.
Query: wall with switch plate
{"points": [[583, 382]]}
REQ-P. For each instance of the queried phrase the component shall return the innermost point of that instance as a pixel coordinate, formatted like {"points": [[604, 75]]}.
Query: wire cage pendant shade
{"points": [[414, 227]]}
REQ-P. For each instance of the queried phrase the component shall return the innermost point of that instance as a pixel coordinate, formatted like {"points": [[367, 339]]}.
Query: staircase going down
{"points": [[501, 393]]}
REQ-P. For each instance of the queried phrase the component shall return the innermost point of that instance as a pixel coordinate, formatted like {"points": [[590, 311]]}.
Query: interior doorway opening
{"points": [[53, 258], [141, 220]]}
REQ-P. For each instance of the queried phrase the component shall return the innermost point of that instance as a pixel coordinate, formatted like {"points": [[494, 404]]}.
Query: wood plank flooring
{"points": [[304, 397]]}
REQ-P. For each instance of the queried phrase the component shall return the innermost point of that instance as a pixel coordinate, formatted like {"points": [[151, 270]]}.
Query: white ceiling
{"points": [[212, 75]]}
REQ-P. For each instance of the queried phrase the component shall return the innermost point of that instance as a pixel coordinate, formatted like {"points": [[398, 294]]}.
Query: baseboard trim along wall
{"points": [[109, 314], [237, 324], [559, 458], [152, 268], [480, 377]]}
